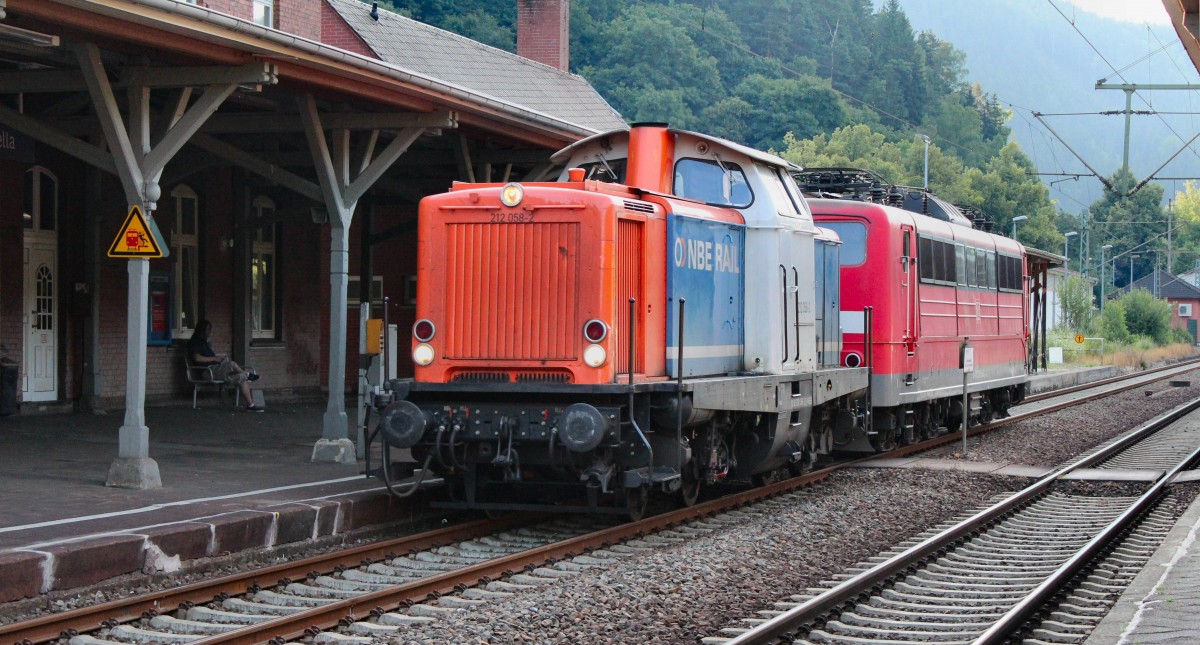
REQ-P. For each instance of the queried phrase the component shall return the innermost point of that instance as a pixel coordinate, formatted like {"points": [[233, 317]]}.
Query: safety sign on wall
{"points": [[137, 238]]}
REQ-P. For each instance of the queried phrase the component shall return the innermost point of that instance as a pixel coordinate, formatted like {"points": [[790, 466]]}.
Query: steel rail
{"points": [[1020, 613], [953, 436], [53, 626], [296, 625], [785, 625]]}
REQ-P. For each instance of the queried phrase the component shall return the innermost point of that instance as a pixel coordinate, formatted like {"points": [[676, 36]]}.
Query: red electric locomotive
{"points": [[933, 286]]}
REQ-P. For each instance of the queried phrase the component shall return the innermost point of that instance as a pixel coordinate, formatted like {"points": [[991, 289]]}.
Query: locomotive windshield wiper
{"points": [[603, 162], [727, 183]]}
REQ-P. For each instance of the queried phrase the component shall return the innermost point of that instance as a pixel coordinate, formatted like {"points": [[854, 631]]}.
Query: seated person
{"points": [[201, 353]]}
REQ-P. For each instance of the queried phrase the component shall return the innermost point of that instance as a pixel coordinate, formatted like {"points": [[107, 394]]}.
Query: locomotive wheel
{"points": [[689, 490], [985, 410], [636, 501], [884, 439]]}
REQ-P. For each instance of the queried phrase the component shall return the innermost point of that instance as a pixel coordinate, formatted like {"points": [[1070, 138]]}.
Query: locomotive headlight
{"points": [[594, 356], [423, 354], [512, 194]]}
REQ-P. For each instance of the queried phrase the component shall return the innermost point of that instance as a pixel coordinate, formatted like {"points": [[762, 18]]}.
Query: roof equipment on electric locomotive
{"points": [[869, 186]]}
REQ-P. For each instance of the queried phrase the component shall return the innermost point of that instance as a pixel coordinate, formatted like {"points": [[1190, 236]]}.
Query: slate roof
{"points": [[434, 52], [1169, 286]]}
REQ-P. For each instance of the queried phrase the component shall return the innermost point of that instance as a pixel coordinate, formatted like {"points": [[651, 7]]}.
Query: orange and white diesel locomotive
{"points": [[585, 342], [665, 315]]}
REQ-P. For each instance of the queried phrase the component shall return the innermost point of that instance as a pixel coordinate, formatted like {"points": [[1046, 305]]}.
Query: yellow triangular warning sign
{"points": [[135, 239]]}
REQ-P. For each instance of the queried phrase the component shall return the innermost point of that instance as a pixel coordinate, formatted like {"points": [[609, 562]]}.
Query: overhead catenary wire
{"points": [[1118, 73]]}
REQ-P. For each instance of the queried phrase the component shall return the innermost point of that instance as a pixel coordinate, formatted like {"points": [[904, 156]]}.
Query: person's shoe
{"points": [[255, 408], [253, 376]]}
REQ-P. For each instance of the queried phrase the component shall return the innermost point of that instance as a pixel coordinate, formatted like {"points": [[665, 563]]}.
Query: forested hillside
{"points": [[819, 81]]}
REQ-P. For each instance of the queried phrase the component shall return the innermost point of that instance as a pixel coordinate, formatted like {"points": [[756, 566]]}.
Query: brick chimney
{"points": [[542, 31], [300, 17]]}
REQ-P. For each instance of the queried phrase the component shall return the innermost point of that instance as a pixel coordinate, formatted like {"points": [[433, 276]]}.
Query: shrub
{"points": [[1112, 322], [1147, 316]]}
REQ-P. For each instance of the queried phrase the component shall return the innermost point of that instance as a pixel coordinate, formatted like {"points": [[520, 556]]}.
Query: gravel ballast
{"points": [[1052, 439], [679, 593]]}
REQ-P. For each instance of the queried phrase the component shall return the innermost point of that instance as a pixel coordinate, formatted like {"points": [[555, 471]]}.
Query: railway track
{"points": [[477, 561], [984, 578]]}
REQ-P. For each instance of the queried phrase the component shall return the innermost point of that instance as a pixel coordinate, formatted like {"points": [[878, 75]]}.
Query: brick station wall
{"points": [[335, 32]]}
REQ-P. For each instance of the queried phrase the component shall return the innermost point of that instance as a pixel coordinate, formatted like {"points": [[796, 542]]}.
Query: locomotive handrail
{"points": [[632, 343], [679, 392]]}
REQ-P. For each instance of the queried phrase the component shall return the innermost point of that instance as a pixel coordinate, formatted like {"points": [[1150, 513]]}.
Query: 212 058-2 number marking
{"points": [[511, 218]]}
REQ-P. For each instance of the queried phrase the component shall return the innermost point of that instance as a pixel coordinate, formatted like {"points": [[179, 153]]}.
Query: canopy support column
{"points": [[341, 192]]}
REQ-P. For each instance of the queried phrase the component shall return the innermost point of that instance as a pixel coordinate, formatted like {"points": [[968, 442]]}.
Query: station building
{"points": [[280, 147]]}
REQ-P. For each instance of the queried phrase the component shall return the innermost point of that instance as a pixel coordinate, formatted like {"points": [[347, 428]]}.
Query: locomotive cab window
{"points": [[854, 241], [609, 172], [719, 184]]}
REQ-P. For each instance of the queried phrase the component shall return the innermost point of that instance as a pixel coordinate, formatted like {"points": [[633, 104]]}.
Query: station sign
{"points": [[138, 238], [15, 146]]}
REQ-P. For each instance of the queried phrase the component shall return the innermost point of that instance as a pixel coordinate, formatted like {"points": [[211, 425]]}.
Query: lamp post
{"points": [[925, 138], [1103, 251], [1018, 218], [1067, 248], [1131, 257]]}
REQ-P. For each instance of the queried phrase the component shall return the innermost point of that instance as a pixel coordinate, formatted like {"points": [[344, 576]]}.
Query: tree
{"points": [[1147, 316], [635, 72], [1131, 223], [1075, 298], [804, 107]]}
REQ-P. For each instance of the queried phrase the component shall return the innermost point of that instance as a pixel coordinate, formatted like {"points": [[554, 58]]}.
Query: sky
{"points": [[1137, 11]]}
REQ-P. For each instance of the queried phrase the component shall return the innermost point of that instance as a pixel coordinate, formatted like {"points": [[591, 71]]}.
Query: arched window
{"points": [[41, 200], [185, 249], [263, 269]]}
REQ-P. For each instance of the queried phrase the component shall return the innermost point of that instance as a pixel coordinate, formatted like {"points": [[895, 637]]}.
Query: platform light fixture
{"points": [[1018, 218]]}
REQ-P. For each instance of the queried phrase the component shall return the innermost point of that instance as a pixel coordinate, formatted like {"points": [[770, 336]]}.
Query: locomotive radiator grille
{"points": [[506, 377], [510, 291]]}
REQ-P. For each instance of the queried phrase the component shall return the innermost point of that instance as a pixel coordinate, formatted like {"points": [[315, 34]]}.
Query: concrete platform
{"points": [[1059, 377], [232, 481], [1162, 604]]}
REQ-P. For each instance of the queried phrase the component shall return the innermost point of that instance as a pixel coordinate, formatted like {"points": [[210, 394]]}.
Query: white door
{"points": [[41, 324], [39, 365]]}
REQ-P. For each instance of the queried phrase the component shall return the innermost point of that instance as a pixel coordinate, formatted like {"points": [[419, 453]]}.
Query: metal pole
{"points": [[1102, 279], [1128, 114], [966, 397], [869, 360], [927, 163], [925, 138], [1103, 252]]}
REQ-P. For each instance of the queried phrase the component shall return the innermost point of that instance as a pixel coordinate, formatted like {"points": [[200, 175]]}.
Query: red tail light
{"points": [[423, 330], [595, 331]]}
